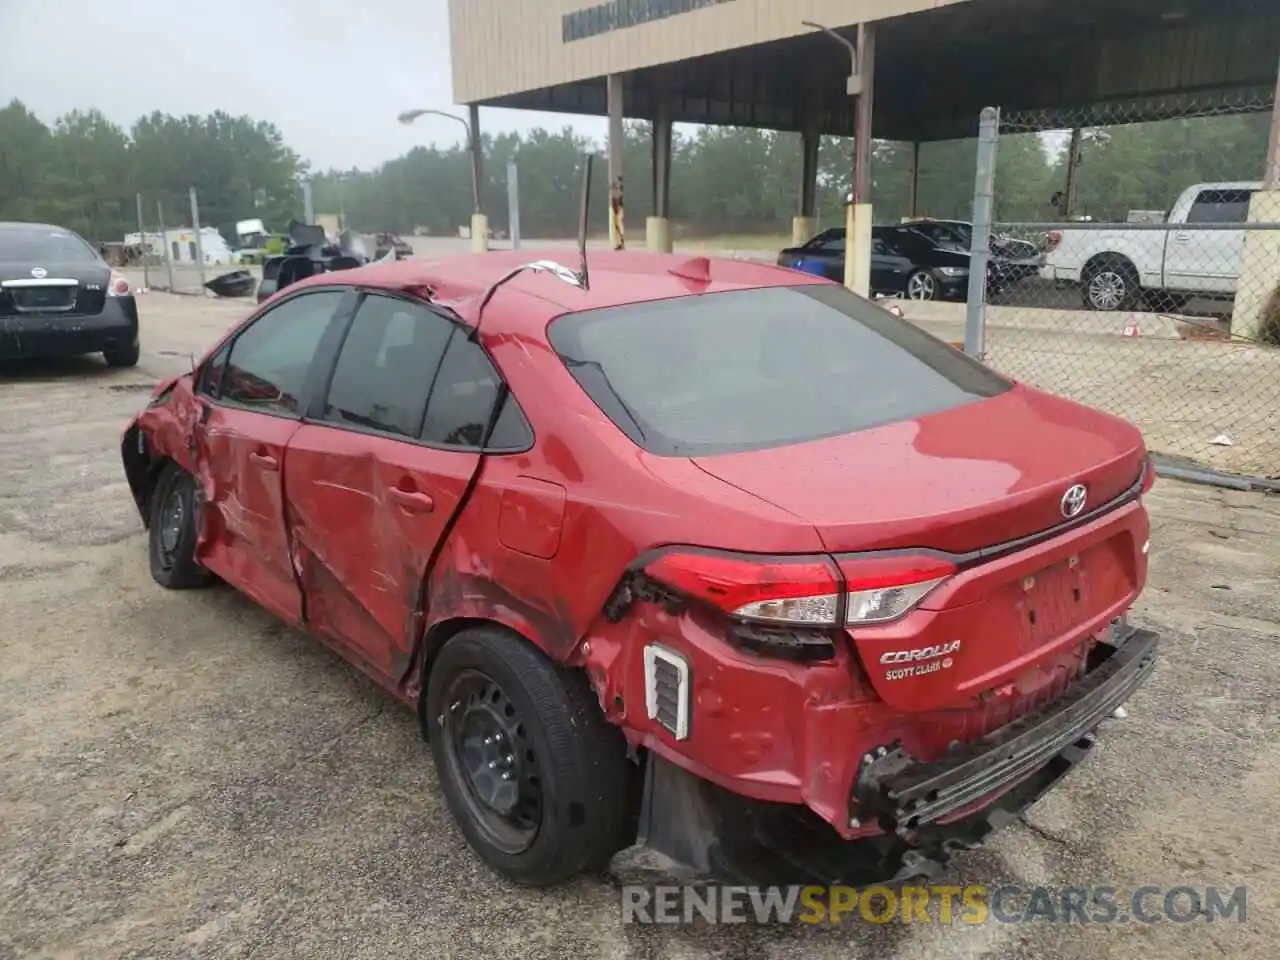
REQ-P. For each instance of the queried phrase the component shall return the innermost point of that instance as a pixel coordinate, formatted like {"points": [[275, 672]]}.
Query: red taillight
{"points": [[884, 588], [1051, 240], [117, 286], [803, 591], [800, 590]]}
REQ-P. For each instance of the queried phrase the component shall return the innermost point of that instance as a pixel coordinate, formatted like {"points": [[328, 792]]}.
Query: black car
{"points": [[906, 262], [59, 297], [958, 235]]}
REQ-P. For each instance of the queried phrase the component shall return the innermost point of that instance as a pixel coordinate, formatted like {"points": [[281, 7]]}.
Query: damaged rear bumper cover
{"points": [[908, 795], [693, 830]]}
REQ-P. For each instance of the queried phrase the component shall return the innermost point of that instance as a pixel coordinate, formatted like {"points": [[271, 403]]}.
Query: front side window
{"points": [[831, 241], [211, 373], [268, 364], [753, 369], [386, 367], [910, 244]]}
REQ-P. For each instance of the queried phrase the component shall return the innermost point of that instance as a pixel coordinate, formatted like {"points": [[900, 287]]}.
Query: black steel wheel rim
{"points": [[173, 516], [492, 759]]}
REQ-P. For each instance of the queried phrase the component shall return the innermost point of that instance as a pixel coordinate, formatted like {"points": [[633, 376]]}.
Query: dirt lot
{"points": [[182, 777]]}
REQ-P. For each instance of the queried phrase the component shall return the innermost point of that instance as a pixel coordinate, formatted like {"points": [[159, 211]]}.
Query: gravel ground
{"points": [[180, 776]]}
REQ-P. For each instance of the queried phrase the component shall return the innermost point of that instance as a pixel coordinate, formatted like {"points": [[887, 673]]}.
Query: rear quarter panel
{"points": [[619, 502]]}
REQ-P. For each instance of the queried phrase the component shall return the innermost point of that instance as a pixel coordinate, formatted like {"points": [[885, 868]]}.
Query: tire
{"points": [[171, 541], [563, 766], [922, 285], [123, 356], [1110, 285]]}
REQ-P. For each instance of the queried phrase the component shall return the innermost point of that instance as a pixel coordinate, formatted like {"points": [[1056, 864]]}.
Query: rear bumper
{"points": [[907, 795], [926, 811], [68, 334]]}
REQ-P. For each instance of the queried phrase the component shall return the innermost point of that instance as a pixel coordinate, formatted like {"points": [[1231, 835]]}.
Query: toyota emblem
{"points": [[1073, 500], [39, 272]]}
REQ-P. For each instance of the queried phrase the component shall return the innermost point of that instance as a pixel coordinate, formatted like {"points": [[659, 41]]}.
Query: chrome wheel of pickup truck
{"points": [[1110, 286]]}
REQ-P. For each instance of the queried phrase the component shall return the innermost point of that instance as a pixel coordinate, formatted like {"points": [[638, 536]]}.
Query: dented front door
{"points": [[239, 456], [250, 400]]}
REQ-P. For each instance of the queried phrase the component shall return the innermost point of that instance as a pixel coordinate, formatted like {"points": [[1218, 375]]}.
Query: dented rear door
{"points": [[372, 482]]}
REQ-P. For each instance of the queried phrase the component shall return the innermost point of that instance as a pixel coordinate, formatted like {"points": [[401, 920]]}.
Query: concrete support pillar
{"points": [[805, 225], [803, 230], [657, 228], [1257, 303], [858, 220], [613, 97], [915, 179], [479, 222]]}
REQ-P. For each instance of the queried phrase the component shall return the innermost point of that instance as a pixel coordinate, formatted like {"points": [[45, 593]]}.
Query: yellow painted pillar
{"points": [[857, 248]]}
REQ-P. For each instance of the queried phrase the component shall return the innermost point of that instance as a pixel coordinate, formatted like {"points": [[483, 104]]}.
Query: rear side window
{"points": [[269, 360], [1220, 206], [462, 402], [386, 366], [752, 369]]}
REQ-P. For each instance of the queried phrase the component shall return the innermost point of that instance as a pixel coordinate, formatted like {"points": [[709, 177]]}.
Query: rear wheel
{"points": [[1110, 285], [534, 775], [172, 532], [922, 285], [123, 355]]}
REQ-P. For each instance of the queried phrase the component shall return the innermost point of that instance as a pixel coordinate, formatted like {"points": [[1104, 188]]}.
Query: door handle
{"points": [[412, 500], [265, 461]]}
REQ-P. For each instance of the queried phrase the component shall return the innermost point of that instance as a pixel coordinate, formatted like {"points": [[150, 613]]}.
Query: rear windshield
{"points": [[751, 369], [39, 247]]}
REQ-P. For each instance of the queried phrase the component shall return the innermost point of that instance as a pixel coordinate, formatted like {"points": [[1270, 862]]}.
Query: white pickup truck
{"points": [[1117, 266]]}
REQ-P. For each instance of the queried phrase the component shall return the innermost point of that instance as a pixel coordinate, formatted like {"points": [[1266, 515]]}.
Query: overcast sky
{"points": [[130, 57]]}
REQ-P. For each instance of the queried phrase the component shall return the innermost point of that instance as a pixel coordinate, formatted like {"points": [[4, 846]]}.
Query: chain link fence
{"points": [[171, 250], [1152, 288]]}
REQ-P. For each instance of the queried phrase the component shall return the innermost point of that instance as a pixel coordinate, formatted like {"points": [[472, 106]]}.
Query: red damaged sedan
{"points": [[705, 558]]}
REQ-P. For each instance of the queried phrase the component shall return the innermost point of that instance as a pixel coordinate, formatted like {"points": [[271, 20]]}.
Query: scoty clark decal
{"points": [[920, 661]]}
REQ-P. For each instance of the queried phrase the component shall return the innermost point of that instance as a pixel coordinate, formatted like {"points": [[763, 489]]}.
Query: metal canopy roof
{"points": [[1056, 63]]}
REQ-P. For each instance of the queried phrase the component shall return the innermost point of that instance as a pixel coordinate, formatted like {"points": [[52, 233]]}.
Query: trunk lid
{"points": [[970, 477], [981, 475], [53, 287]]}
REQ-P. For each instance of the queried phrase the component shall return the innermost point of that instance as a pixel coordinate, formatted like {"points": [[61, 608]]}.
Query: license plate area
{"points": [[46, 298], [1053, 601], [1058, 598]]}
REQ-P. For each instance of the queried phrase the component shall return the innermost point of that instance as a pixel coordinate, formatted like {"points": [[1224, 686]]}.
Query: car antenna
{"points": [[583, 213], [575, 278]]}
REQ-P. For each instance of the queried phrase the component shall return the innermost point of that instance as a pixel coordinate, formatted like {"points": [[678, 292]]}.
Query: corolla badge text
{"points": [[921, 653]]}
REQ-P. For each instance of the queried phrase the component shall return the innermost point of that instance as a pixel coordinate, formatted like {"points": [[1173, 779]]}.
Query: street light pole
{"points": [[473, 146], [479, 222], [857, 264]]}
